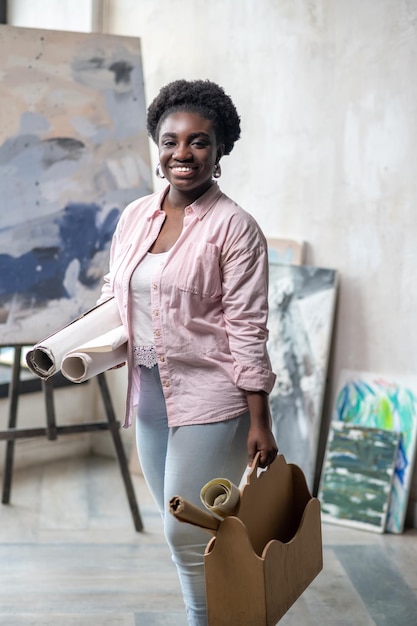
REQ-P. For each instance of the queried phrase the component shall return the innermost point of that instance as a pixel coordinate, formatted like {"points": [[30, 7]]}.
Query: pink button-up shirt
{"points": [[209, 306]]}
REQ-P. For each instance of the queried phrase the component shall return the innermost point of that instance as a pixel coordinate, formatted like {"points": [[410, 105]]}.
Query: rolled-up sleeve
{"points": [[245, 306]]}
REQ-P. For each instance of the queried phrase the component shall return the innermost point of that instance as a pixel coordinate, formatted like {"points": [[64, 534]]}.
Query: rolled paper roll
{"points": [[41, 361], [81, 366], [185, 511], [45, 358], [221, 497]]}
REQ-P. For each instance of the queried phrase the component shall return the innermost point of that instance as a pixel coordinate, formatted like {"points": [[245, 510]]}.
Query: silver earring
{"points": [[158, 171], [217, 171]]}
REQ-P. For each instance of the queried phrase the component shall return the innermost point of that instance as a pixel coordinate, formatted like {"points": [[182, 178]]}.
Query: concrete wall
{"points": [[328, 100]]}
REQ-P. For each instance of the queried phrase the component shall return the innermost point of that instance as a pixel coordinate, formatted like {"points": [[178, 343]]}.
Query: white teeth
{"points": [[182, 169]]}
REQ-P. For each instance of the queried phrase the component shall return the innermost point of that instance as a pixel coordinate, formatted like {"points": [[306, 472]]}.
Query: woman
{"points": [[190, 275]]}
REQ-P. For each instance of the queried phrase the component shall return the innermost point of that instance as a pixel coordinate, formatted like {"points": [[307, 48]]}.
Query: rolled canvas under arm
{"points": [[81, 366], [87, 335]]}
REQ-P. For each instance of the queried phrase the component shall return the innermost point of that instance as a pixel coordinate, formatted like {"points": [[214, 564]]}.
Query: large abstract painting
{"points": [[73, 153], [389, 403], [357, 475], [302, 303]]}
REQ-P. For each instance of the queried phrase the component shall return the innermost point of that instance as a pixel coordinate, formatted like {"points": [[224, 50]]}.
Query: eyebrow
{"points": [[190, 136]]}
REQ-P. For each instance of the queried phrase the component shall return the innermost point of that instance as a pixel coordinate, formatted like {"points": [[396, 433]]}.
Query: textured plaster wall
{"points": [[70, 15], [328, 100]]}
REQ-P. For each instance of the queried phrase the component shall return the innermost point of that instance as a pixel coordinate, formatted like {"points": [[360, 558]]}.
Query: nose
{"points": [[182, 152]]}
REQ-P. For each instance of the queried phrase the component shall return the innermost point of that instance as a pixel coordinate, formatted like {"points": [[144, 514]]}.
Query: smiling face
{"points": [[188, 151]]}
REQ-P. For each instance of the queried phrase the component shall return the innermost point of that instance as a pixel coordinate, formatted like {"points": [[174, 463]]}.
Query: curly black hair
{"points": [[197, 96]]}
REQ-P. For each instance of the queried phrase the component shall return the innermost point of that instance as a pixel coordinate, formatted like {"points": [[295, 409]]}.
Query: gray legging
{"points": [[179, 461]]}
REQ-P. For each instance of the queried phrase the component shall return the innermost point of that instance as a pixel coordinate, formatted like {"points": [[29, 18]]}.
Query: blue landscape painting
{"points": [[74, 152]]}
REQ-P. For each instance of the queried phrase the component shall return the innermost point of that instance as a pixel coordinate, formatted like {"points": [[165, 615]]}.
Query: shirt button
{"points": [[167, 383], [154, 286], [155, 312], [157, 333], [162, 359], [188, 210]]}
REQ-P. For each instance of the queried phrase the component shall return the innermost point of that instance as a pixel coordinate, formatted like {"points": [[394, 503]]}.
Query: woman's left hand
{"points": [[261, 439]]}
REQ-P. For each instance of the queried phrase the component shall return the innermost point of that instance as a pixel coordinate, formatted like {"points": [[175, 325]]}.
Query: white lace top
{"points": [[144, 352]]}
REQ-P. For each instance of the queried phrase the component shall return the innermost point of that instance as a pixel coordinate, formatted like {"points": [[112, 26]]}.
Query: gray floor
{"points": [[69, 555]]}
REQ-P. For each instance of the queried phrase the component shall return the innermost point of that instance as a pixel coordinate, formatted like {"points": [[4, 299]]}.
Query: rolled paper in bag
{"points": [[184, 511], [221, 497]]}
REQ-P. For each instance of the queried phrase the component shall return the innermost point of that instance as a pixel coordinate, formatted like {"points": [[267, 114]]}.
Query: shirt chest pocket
{"points": [[200, 272]]}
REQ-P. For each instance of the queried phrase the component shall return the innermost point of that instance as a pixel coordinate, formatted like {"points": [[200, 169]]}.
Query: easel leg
{"points": [[13, 401], [48, 390], [124, 468]]}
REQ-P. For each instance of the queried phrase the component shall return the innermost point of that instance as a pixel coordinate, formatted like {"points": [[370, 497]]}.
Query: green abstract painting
{"points": [[357, 476]]}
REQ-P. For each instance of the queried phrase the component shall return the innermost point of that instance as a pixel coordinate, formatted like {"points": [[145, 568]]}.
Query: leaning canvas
{"points": [[388, 402], [358, 471], [74, 152], [286, 251], [302, 304]]}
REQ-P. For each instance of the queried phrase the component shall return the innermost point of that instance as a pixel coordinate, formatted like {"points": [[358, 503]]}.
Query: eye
{"points": [[168, 143], [199, 144]]}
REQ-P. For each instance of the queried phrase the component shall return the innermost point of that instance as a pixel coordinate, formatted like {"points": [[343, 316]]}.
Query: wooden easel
{"points": [[52, 431]]}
